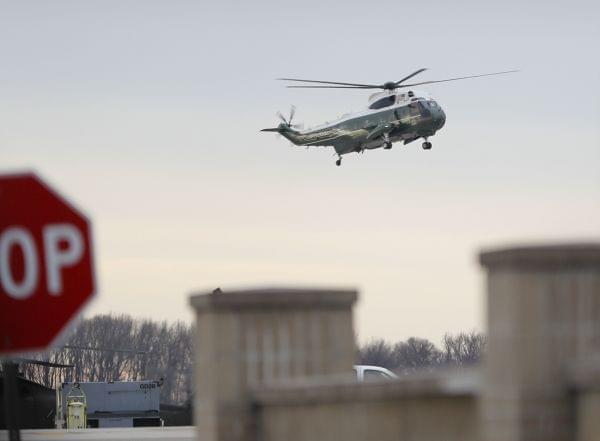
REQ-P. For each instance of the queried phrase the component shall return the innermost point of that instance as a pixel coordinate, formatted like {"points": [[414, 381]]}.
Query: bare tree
{"points": [[463, 348], [377, 352], [111, 348], [415, 354]]}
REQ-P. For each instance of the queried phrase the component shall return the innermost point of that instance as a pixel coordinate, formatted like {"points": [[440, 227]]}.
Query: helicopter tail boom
{"points": [[282, 128]]}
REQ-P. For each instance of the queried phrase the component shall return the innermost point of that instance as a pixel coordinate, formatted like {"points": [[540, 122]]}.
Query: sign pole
{"points": [[11, 401]]}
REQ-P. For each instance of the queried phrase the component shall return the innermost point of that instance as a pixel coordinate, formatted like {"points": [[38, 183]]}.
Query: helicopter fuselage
{"points": [[389, 118]]}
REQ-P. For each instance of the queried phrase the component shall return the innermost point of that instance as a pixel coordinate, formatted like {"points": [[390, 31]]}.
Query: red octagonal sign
{"points": [[46, 267]]}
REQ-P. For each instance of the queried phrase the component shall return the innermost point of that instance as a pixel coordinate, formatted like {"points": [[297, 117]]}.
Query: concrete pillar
{"points": [[585, 378], [245, 339], [543, 307], [587, 418]]}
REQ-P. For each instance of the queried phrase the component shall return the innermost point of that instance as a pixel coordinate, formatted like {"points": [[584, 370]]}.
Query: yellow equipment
{"points": [[76, 408]]}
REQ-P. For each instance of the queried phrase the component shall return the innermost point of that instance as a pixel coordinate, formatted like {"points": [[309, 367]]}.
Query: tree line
{"points": [[461, 349], [118, 347]]}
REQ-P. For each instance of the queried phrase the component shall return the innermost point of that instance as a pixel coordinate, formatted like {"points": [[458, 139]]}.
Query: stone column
{"points": [[245, 339], [543, 307], [585, 379]]}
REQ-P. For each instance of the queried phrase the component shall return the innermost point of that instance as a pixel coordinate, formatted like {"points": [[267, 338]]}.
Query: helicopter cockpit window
{"points": [[383, 102], [423, 108]]}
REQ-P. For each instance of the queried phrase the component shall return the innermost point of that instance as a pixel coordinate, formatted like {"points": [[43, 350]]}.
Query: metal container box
{"points": [[116, 404]]}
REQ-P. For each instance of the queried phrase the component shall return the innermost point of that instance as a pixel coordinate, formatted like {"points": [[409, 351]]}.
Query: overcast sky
{"points": [[147, 115]]}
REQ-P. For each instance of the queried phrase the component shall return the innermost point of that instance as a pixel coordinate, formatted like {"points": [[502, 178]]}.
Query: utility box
{"points": [[76, 418], [76, 408], [114, 404]]}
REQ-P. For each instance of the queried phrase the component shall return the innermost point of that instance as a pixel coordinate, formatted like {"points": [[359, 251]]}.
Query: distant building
{"points": [[115, 403]]}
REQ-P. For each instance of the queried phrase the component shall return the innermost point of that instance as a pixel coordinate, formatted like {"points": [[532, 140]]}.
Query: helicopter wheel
{"points": [[427, 145], [338, 162], [387, 145]]}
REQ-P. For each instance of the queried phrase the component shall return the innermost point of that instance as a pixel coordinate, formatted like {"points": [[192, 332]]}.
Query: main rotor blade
{"points": [[328, 82], [334, 87], [44, 363], [411, 75], [458, 78]]}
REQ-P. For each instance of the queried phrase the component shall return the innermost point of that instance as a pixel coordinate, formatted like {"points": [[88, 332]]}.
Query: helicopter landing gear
{"points": [[339, 161], [426, 145], [387, 144]]}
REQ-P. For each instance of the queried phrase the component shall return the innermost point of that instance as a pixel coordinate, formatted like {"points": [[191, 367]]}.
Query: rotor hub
{"points": [[390, 85]]}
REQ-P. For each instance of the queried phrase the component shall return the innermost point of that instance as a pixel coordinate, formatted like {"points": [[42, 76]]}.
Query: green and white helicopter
{"points": [[391, 116]]}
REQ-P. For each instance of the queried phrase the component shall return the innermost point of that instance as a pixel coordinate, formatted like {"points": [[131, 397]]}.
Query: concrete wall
{"points": [[587, 416], [420, 409]]}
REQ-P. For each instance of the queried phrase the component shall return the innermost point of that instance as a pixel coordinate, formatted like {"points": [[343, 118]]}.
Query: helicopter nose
{"points": [[440, 118]]}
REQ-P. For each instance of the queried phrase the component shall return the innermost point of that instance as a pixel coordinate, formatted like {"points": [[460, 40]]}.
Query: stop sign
{"points": [[46, 266]]}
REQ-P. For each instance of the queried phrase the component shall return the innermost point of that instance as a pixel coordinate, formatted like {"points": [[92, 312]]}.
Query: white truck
{"points": [[369, 373]]}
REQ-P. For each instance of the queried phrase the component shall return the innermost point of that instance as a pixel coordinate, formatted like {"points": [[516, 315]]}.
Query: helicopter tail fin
{"points": [[274, 129]]}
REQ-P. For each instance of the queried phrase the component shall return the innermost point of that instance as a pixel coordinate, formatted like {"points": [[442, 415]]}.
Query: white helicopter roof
{"points": [[402, 97]]}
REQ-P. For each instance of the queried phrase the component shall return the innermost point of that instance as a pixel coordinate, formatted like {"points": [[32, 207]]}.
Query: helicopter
{"points": [[391, 116]]}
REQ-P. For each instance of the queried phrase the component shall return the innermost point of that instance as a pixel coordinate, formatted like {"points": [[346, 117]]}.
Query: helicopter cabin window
{"points": [[402, 112], [383, 102]]}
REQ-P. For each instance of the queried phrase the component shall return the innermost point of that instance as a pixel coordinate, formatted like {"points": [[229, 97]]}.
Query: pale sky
{"points": [[147, 115]]}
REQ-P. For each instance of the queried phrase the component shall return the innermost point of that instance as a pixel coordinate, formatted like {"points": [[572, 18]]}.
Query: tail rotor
{"points": [[286, 123]]}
